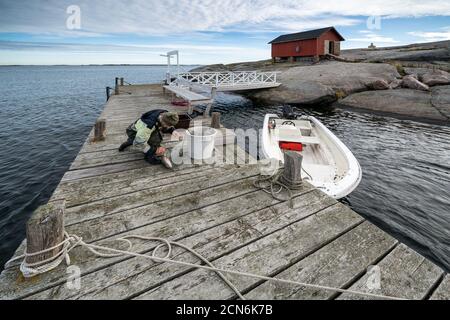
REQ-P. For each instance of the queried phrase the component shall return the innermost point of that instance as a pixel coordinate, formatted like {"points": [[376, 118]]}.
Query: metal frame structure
{"points": [[169, 56], [230, 79]]}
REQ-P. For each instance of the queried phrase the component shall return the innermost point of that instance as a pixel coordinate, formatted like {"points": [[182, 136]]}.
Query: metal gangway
{"points": [[231, 81], [199, 88]]}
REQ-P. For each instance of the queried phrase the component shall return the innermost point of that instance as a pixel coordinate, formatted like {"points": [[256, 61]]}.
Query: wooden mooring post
{"points": [[99, 130], [116, 88], [292, 175], [121, 81], [215, 120], [108, 93], [45, 230]]}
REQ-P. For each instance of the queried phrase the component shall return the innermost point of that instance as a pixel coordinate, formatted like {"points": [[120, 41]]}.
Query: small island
{"points": [[410, 81]]}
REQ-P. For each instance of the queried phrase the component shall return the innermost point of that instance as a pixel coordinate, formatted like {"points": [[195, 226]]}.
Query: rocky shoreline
{"points": [[409, 81]]}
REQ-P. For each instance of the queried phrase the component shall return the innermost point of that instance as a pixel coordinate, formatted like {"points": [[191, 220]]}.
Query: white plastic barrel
{"points": [[200, 142]]}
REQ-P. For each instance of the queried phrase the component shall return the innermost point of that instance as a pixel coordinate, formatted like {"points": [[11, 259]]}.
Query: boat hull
{"points": [[327, 162]]}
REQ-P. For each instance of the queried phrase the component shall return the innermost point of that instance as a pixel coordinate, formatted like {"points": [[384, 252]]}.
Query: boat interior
{"points": [[317, 158]]}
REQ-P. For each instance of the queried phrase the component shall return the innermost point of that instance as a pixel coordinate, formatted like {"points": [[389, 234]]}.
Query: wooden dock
{"points": [[215, 209]]}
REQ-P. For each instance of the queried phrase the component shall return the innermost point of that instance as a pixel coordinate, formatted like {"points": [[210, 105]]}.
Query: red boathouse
{"points": [[313, 43]]}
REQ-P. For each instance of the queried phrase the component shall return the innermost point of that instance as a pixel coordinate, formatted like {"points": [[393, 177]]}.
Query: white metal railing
{"points": [[191, 86], [225, 79]]}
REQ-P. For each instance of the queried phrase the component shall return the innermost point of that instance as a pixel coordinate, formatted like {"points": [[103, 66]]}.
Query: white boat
{"points": [[327, 163]]}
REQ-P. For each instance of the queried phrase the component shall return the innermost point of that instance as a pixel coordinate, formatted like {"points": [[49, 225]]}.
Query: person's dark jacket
{"points": [[151, 119]]}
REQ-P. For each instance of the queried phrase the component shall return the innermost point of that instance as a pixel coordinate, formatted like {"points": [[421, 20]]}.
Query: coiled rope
{"points": [[269, 184], [72, 241]]}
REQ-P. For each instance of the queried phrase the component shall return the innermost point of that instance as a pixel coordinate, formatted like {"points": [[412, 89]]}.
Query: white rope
{"points": [[72, 241], [33, 269]]}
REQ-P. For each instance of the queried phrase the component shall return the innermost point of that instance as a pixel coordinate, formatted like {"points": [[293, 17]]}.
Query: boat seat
{"points": [[292, 134], [304, 125], [309, 140], [288, 133]]}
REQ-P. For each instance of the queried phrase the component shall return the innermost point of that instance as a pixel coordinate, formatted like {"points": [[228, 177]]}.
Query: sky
{"points": [[37, 32]]}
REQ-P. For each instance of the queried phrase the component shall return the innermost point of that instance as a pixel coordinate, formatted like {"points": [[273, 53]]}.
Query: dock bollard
{"points": [[45, 230], [108, 93], [292, 175], [116, 88], [99, 130], [215, 120], [121, 82]]}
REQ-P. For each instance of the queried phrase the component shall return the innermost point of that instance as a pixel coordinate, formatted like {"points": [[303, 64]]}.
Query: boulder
{"points": [[416, 72], [405, 102], [211, 68], [322, 83], [419, 52], [412, 83], [435, 77], [397, 83], [296, 93], [440, 99], [379, 84]]}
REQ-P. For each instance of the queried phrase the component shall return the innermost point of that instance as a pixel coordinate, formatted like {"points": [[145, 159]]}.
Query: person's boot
{"points": [[150, 156], [124, 146]]}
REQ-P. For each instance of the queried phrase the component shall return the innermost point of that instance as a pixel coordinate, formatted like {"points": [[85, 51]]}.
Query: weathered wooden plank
{"points": [[338, 264], [263, 257], [205, 211], [98, 171], [112, 155], [105, 154], [114, 113], [130, 175], [97, 228], [113, 140], [83, 191], [102, 161], [195, 193], [111, 145], [443, 290], [125, 279], [242, 157], [123, 168], [106, 145], [404, 274]]}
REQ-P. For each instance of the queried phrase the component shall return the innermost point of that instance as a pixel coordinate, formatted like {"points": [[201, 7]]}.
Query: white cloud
{"points": [[183, 24], [182, 16], [76, 53], [371, 37], [432, 36]]}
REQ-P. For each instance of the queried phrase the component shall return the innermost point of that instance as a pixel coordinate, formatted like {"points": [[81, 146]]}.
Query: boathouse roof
{"points": [[305, 35]]}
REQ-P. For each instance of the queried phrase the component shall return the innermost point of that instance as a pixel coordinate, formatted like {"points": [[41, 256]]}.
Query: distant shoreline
{"points": [[93, 65]]}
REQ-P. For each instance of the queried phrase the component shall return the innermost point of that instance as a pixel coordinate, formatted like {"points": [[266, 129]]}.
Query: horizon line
{"points": [[93, 65]]}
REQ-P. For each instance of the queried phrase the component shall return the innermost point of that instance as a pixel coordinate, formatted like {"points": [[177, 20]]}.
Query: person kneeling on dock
{"points": [[149, 129]]}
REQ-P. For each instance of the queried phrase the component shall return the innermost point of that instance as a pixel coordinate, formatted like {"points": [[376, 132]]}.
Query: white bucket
{"points": [[200, 142]]}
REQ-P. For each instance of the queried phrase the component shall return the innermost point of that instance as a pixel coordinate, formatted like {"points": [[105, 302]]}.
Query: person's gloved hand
{"points": [[160, 151]]}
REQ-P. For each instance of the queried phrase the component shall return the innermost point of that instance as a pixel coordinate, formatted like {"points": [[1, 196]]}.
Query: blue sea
{"points": [[46, 113]]}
